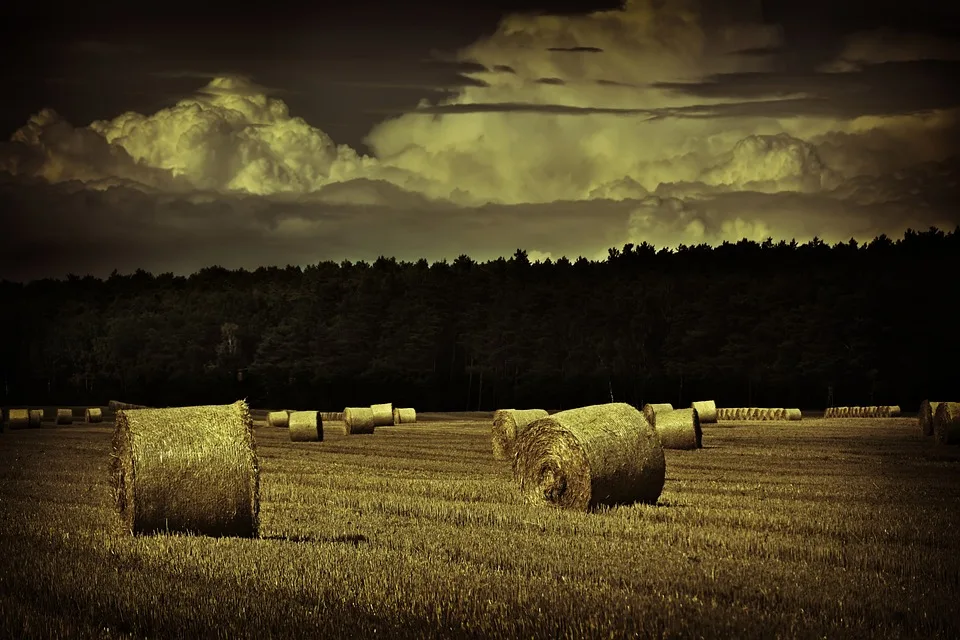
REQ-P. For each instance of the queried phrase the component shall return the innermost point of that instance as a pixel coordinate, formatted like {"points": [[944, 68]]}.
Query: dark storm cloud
{"points": [[504, 68], [576, 49], [757, 51], [554, 81], [887, 88], [522, 107]]}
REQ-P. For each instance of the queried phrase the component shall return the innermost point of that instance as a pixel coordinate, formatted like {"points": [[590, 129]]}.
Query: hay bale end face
{"points": [[279, 419], [382, 414], [925, 417], [650, 411], [360, 420], [583, 458], [679, 429], [707, 410], [93, 414], [187, 470], [946, 423], [507, 425], [305, 426], [64, 416]]}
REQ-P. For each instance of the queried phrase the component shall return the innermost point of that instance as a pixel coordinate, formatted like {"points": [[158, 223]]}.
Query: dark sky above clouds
{"points": [[296, 132]]}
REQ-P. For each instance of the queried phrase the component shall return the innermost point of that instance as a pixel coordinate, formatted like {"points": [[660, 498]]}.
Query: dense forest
{"points": [[746, 324]]}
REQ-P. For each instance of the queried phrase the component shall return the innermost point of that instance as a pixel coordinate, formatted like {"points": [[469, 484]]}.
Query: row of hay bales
{"points": [[940, 420], [882, 411], [307, 426], [33, 418], [759, 413]]}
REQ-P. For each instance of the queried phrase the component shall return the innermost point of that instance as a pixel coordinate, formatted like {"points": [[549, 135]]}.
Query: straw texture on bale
{"points": [[305, 426], [20, 419], [583, 458], [507, 426], [925, 417], [707, 410], [93, 414], [404, 416], [792, 414], [893, 410], [650, 411], [382, 414], [679, 429], [64, 416], [279, 419], [187, 470], [946, 423], [331, 416], [359, 420]]}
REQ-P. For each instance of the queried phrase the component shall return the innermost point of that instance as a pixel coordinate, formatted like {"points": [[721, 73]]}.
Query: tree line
{"points": [[746, 324]]}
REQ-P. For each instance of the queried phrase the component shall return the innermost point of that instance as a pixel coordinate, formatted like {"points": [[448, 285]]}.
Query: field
{"points": [[821, 528]]}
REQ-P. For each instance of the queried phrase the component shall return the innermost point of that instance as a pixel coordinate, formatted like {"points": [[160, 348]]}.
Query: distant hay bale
{"points": [[331, 416], [894, 410], [650, 411], [93, 414], [64, 416], [187, 470], [597, 455], [792, 414], [707, 410], [507, 426], [279, 419], [36, 417], [382, 414], [20, 419], [925, 417], [679, 429], [779, 413], [404, 416], [723, 413], [828, 413], [753, 413], [360, 420], [305, 426], [946, 423]]}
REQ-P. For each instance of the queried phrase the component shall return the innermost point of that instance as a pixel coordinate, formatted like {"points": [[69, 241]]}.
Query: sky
{"points": [[178, 138]]}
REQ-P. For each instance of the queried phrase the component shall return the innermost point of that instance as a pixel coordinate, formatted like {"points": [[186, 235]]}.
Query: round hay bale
{"points": [[359, 420], [828, 413], [753, 413], [305, 426], [679, 429], [792, 414], [707, 410], [64, 416], [382, 414], [36, 418], [596, 455], [113, 405], [331, 416], [925, 417], [404, 416], [893, 410], [946, 423], [780, 413], [279, 419], [20, 419], [507, 425], [93, 414], [187, 470], [650, 411]]}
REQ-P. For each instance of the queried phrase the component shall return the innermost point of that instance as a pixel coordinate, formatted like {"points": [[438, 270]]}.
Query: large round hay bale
{"points": [[679, 429], [20, 419], [279, 419], [187, 470], [707, 410], [305, 426], [946, 423], [382, 414], [64, 416], [36, 418], [404, 416], [507, 425], [893, 410], [359, 420], [597, 455], [650, 411], [792, 414], [93, 414], [925, 417], [753, 413]]}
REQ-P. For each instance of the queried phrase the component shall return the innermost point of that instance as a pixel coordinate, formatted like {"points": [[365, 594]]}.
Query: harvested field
{"points": [[810, 529]]}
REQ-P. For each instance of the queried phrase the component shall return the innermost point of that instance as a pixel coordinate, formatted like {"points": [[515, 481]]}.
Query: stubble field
{"points": [[822, 528]]}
